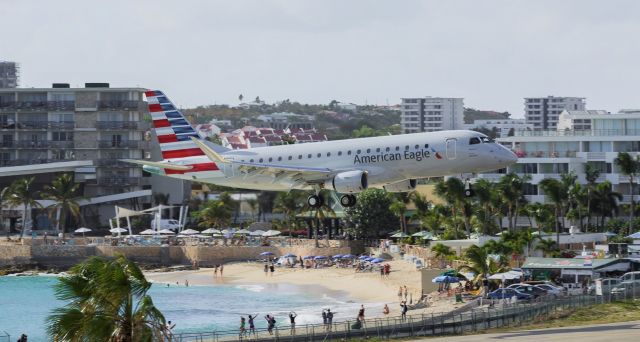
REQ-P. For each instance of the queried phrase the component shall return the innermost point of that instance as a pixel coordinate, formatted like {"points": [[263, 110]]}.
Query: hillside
{"points": [[471, 114]]}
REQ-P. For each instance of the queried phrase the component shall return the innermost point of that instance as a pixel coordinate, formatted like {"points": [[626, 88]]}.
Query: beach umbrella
{"points": [[271, 232], [118, 230], [506, 275], [189, 232], [348, 256], [82, 230], [227, 231], [289, 255], [363, 257], [266, 253], [166, 232], [421, 233], [368, 259], [148, 232], [634, 235], [337, 256], [609, 234], [377, 260], [308, 257], [320, 257], [210, 231], [257, 232], [243, 231], [445, 279], [399, 235]]}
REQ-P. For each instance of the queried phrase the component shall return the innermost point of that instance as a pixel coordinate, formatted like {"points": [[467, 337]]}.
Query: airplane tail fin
{"points": [[173, 130]]}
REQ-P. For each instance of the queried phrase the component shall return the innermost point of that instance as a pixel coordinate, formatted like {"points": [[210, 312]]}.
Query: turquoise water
{"points": [[25, 302]]}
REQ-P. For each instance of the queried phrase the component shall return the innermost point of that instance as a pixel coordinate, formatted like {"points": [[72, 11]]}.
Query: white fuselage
{"points": [[386, 159]]}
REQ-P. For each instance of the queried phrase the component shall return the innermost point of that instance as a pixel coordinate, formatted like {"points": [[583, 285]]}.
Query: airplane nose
{"points": [[510, 156]]}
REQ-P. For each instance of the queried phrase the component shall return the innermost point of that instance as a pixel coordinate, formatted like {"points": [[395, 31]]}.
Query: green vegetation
{"points": [[371, 216], [63, 191], [107, 301], [21, 193], [471, 114]]}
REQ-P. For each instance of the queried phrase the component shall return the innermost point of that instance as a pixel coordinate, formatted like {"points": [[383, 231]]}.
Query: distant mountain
{"points": [[471, 114]]}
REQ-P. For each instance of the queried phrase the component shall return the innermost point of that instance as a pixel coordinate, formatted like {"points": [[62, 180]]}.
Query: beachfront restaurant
{"points": [[572, 272]]}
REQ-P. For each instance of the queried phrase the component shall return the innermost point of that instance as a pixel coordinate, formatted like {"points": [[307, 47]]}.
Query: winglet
{"points": [[208, 151], [161, 165]]}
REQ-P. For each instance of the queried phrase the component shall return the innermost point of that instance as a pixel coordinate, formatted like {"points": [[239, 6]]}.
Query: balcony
{"points": [[62, 124], [33, 144], [578, 133], [113, 163], [7, 144], [119, 105], [38, 124], [116, 125], [119, 144], [29, 161], [118, 181], [61, 144], [38, 106], [545, 154]]}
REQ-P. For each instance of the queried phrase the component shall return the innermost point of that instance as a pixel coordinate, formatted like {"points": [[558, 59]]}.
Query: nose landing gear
{"points": [[348, 201]]}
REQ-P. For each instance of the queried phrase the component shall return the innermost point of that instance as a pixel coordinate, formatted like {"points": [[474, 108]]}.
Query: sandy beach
{"points": [[366, 287]]}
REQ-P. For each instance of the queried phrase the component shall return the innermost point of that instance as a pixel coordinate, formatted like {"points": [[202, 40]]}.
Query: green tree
{"points": [[371, 216], [442, 253], [21, 193], [547, 246], [398, 208], [606, 201], [63, 191], [213, 213], [591, 174], [629, 166], [479, 263], [107, 301], [511, 188], [253, 205], [452, 191], [485, 193], [557, 194]]}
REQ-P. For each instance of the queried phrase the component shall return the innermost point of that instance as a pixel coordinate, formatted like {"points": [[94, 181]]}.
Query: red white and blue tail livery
{"points": [[346, 166]]}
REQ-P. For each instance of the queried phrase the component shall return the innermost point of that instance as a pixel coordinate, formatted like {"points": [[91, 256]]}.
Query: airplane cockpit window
{"points": [[474, 140], [487, 140]]}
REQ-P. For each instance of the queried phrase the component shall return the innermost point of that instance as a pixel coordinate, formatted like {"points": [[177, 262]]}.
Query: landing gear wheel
{"points": [[315, 201], [469, 192], [348, 201]]}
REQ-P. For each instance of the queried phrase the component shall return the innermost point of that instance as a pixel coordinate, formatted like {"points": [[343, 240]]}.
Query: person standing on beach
{"points": [[301, 263], [400, 294], [292, 319], [406, 293], [403, 310], [329, 319], [221, 269], [45, 237], [385, 310], [272, 268], [215, 271], [324, 317], [252, 326], [186, 282], [243, 329], [361, 314], [266, 270]]}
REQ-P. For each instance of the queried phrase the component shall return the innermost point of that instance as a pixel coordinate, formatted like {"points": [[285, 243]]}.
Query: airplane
{"points": [[393, 163]]}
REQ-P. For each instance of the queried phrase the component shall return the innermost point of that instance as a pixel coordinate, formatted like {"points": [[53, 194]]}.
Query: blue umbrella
{"points": [[320, 257], [289, 255], [445, 279], [337, 256], [362, 257], [266, 253], [377, 260], [368, 259], [308, 257], [348, 256]]}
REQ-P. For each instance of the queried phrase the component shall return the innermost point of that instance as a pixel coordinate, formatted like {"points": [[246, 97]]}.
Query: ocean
{"points": [[26, 301]]}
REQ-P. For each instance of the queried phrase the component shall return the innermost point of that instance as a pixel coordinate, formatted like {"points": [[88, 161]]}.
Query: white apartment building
{"points": [[543, 112], [579, 120], [548, 154], [503, 126], [429, 114]]}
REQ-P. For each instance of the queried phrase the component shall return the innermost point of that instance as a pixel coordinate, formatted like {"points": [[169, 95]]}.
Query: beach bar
{"points": [[573, 271]]}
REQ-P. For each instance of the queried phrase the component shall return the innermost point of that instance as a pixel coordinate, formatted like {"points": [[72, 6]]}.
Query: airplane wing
{"points": [[162, 165]]}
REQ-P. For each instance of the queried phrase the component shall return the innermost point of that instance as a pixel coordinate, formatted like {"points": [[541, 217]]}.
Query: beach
{"points": [[361, 287]]}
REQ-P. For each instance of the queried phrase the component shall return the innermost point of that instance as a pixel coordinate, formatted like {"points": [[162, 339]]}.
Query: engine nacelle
{"points": [[348, 182], [402, 186]]}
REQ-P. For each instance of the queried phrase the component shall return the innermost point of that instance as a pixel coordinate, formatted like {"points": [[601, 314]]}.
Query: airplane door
{"points": [[451, 148]]}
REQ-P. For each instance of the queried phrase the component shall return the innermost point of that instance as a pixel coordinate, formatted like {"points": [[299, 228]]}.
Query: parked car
{"points": [[608, 284], [170, 224], [552, 290], [509, 293], [535, 291]]}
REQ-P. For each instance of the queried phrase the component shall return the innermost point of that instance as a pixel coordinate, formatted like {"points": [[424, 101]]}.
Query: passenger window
{"points": [[290, 158], [397, 148], [358, 151], [474, 141], [261, 160], [251, 160], [339, 153], [406, 148], [349, 152], [426, 145], [319, 155], [328, 154], [299, 156], [270, 160], [309, 155], [388, 149], [378, 149], [279, 158], [417, 147], [368, 150]]}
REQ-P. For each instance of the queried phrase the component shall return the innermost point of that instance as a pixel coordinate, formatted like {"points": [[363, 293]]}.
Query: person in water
{"points": [[252, 325], [243, 329], [292, 318], [385, 310]]}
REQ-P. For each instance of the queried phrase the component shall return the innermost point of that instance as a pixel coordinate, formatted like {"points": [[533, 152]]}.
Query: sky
{"points": [[493, 53]]}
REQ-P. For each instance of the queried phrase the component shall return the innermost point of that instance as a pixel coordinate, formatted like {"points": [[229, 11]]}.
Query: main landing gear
{"points": [[316, 201], [468, 190]]}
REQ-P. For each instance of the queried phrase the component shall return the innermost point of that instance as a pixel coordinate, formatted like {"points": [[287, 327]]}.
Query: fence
{"points": [[4, 336], [487, 316]]}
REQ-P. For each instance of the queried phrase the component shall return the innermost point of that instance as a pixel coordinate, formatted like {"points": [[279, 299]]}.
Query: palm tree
{"points": [[591, 174], [399, 209], [511, 187], [214, 213], [452, 191], [606, 201], [63, 191], [288, 203], [107, 301], [442, 252], [479, 263], [629, 166], [21, 193], [555, 191], [485, 192], [319, 214], [547, 246], [253, 205]]}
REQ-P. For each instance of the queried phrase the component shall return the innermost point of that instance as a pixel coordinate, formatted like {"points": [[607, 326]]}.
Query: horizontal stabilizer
{"points": [[209, 152], [161, 165]]}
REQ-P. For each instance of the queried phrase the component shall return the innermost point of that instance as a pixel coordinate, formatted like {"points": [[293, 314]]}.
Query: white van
{"points": [[170, 224]]}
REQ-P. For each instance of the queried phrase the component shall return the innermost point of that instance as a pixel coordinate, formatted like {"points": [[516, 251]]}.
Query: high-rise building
{"points": [[84, 131], [8, 74], [543, 112], [428, 114]]}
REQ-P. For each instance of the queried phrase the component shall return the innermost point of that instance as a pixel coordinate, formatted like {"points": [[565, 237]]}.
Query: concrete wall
{"points": [[69, 255]]}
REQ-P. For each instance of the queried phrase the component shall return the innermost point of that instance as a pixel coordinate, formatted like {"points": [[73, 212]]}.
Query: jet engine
{"points": [[402, 186], [348, 182]]}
